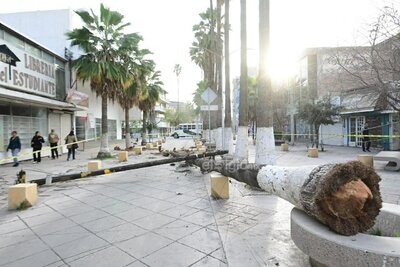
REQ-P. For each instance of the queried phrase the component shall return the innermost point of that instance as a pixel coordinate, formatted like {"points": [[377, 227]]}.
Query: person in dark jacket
{"points": [[36, 144], [366, 143], [15, 146], [70, 141]]}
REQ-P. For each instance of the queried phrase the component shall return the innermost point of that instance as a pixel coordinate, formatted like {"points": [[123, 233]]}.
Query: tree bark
{"points": [[104, 149], [242, 141], [265, 132], [127, 129], [228, 144], [144, 134], [343, 196]]}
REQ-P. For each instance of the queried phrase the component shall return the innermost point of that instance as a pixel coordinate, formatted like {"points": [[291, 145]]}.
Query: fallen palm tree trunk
{"points": [[78, 175], [343, 196]]}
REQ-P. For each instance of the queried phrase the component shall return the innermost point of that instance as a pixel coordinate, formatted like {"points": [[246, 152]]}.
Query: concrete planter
{"points": [[327, 248]]}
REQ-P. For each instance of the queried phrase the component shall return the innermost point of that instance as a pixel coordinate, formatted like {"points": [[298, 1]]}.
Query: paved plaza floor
{"points": [[157, 217]]}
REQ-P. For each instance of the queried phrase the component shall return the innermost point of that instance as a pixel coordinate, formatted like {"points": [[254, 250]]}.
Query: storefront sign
{"points": [[30, 74], [78, 98]]}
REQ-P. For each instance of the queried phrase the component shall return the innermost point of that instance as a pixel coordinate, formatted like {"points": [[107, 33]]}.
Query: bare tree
{"points": [[378, 65]]}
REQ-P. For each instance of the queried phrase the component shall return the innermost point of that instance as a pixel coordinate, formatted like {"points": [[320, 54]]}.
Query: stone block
{"points": [[149, 145], [366, 159], [94, 165], [137, 150], [202, 149], [285, 147], [155, 144], [313, 152], [163, 140], [159, 142], [123, 156], [17, 194], [219, 186]]}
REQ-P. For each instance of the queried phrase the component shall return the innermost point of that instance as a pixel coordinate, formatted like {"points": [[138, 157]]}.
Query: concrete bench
{"points": [[392, 156]]}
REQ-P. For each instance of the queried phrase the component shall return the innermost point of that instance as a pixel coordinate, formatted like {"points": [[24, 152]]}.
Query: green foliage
{"points": [[377, 232], [319, 113], [23, 205], [397, 234], [187, 113]]}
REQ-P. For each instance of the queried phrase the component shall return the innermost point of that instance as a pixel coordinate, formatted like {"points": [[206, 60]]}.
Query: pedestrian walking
{"points": [[53, 140], [366, 142], [70, 141], [15, 146], [36, 143]]}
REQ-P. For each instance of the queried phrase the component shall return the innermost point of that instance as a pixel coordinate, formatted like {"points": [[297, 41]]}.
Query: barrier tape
{"points": [[343, 135], [47, 149]]}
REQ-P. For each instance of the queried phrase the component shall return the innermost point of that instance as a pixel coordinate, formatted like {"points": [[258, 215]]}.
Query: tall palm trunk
{"points": [[144, 135], [212, 73], [127, 129], [218, 132], [242, 138], [265, 133], [228, 142], [104, 149]]}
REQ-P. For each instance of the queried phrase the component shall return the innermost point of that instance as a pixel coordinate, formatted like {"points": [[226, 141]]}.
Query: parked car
{"points": [[183, 133]]}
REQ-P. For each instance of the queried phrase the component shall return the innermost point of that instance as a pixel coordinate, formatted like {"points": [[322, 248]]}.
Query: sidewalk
{"points": [[160, 217]]}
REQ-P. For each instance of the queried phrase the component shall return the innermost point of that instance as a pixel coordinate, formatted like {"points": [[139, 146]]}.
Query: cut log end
{"points": [[347, 198]]}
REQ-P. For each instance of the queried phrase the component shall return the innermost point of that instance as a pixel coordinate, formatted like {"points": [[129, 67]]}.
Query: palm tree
{"points": [[177, 71], [218, 49], [227, 120], [132, 58], [265, 132], [151, 89], [100, 39], [241, 152]]}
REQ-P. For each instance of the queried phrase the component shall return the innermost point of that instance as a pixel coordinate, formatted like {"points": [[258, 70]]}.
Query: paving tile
{"points": [[117, 208], [137, 264], [173, 255], [80, 246], [103, 202], [103, 223], [65, 236], [202, 218], [54, 226], [204, 240], [43, 218], [134, 214], [144, 245], [179, 211], [21, 250], [16, 237], [39, 259], [177, 229], [158, 206], [153, 221], [219, 254], [12, 226], [199, 204], [143, 200], [89, 216], [122, 232], [75, 210], [209, 262], [110, 256], [34, 211], [181, 199]]}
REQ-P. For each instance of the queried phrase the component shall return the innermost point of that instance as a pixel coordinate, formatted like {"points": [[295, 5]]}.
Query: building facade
{"points": [[32, 90], [87, 118]]}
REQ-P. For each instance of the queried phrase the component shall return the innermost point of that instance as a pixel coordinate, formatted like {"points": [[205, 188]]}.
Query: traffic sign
{"points": [[208, 107], [208, 95]]}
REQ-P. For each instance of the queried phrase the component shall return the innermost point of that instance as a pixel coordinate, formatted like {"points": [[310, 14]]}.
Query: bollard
{"points": [[313, 152], [366, 159], [149, 145], [21, 196], [123, 155], [285, 147], [219, 186], [138, 150], [94, 165]]}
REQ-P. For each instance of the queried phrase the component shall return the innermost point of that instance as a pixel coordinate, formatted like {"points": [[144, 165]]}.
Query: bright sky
{"points": [[167, 30]]}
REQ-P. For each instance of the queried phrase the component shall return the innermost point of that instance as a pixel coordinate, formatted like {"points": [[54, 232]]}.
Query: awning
{"points": [[24, 98]]}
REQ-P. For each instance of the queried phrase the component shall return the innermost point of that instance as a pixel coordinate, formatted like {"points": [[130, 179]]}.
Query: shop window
{"points": [[14, 40], [47, 57], [98, 128], [112, 129], [80, 123], [60, 84], [34, 51], [5, 131], [5, 108]]}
